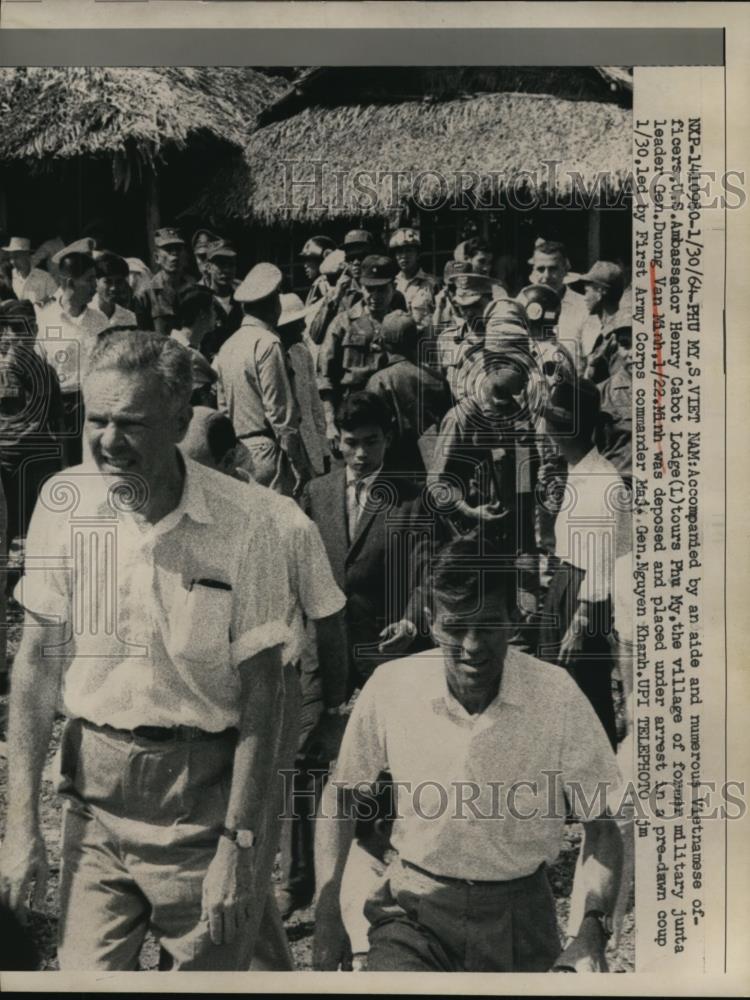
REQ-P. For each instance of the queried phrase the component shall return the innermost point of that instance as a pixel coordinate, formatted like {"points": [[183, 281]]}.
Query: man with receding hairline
{"points": [[156, 616]]}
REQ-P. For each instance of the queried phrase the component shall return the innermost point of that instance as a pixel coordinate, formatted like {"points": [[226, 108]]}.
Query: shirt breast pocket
{"points": [[200, 626], [355, 347]]}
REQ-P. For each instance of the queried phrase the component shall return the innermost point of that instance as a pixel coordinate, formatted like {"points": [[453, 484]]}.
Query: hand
{"points": [[331, 943], [489, 513], [228, 891], [572, 642], [585, 953], [342, 286], [23, 862], [397, 637]]}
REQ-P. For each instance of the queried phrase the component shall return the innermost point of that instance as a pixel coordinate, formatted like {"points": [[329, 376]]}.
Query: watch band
{"points": [[603, 919]]}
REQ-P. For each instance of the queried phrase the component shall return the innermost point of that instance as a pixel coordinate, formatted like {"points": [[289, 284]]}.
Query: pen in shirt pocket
{"points": [[213, 584]]}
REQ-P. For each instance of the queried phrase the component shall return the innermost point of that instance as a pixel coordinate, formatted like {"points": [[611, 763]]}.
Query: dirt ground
{"points": [[300, 926]]}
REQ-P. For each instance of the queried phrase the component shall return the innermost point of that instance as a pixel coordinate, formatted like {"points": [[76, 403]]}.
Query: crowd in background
{"points": [[400, 412]]}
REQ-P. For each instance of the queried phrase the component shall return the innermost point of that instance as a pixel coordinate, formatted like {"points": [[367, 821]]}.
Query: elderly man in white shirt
{"points": [[488, 749], [322, 670], [28, 282], [67, 332], [156, 617]]}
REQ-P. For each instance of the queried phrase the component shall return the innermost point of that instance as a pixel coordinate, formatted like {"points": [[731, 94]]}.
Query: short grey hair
{"points": [[134, 352]]}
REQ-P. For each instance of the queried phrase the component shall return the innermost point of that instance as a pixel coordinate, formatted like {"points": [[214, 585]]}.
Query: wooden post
{"points": [[153, 216]]}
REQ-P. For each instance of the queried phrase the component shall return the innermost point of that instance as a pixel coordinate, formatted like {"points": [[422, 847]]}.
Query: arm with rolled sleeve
{"points": [[46, 594], [362, 757], [329, 368], [279, 403], [593, 788], [258, 632]]}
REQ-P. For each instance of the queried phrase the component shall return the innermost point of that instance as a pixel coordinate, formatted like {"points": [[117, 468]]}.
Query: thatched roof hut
{"points": [[494, 125], [116, 152], [132, 115]]}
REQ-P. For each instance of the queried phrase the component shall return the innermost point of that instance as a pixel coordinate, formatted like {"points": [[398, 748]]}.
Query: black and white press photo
{"points": [[316, 589]]}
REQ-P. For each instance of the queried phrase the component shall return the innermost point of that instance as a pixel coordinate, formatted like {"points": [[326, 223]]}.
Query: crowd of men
{"points": [[370, 542]]}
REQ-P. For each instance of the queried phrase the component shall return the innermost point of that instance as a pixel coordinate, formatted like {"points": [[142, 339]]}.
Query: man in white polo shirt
{"points": [[156, 614], [488, 748]]}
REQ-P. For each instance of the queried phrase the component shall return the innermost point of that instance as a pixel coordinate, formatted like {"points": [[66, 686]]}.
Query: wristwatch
{"points": [[603, 919], [242, 838]]}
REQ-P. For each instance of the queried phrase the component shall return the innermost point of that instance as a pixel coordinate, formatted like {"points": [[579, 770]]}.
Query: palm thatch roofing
{"points": [[131, 114], [293, 168]]}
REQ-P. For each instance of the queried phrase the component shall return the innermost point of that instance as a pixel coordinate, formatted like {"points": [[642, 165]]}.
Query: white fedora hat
{"points": [[18, 244]]}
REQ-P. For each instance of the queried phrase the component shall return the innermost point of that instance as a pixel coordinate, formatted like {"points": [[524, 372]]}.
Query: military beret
{"points": [[404, 238], [377, 270], [168, 236], [260, 282], [318, 247]]}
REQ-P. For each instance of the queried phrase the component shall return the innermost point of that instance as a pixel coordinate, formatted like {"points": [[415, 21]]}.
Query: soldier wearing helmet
{"points": [[417, 286], [351, 351]]}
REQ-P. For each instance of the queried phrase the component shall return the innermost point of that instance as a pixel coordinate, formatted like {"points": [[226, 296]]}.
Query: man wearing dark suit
{"points": [[376, 531]]}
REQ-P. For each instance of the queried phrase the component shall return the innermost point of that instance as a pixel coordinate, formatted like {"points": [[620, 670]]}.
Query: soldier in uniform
{"points": [[256, 387], [460, 327], [313, 254], [221, 270], [155, 306], [417, 286], [345, 291], [351, 351], [202, 240], [418, 399], [602, 288]]}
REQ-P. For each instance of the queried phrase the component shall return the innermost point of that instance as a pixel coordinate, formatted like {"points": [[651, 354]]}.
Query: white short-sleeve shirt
{"points": [[313, 590], [159, 619], [483, 796], [593, 526]]}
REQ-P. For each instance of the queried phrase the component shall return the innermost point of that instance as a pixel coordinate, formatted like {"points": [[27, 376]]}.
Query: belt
{"points": [[162, 734], [449, 880], [255, 434]]}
